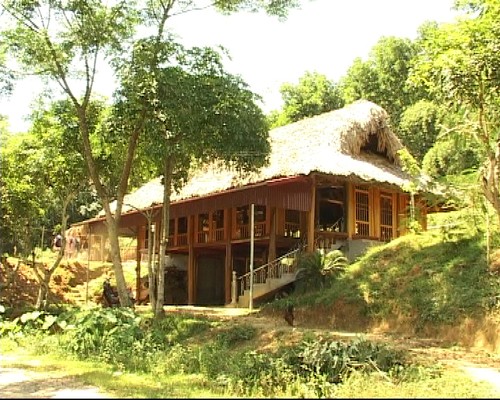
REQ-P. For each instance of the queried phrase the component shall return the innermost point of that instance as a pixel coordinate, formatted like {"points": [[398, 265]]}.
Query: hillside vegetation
{"points": [[364, 331], [437, 283]]}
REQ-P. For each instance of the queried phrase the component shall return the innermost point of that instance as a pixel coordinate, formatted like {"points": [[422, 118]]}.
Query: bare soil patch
{"points": [[20, 380]]}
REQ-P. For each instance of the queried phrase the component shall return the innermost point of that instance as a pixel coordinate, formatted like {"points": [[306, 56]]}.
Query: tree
{"points": [[201, 114], [419, 127], [63, 40], [383, 77], [44, 176], [313, 95], [459, 65], [6, 76], [20, 209]]}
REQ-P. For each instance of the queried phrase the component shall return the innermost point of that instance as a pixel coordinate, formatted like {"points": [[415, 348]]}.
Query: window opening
{"points": [[386, 217], [331, 202], [362, 221]]}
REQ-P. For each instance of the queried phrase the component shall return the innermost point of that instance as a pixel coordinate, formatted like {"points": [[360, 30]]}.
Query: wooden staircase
{"points": [[268, 277]]}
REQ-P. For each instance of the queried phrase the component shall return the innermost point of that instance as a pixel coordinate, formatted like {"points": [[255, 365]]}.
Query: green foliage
{"points": [[443, 158], [420, 126], [236, 334], [336, 360], [42, 170], [458, 64], [30, 323], [383, 77], [176, 328], [277, 8], [314, 94], [313, 269]]}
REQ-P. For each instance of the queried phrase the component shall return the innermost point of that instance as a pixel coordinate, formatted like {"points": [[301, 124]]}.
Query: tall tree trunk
{"points": [[167, 191], [116, 259], [112, 218]]}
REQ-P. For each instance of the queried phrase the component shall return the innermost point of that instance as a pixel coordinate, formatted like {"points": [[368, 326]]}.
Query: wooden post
{"points": [[374, 207], [234, 299], [228, 260], [191, 266], [252, 229], [312, 217], [138, 264], [351, 210], [272, 236], [394, 215]]}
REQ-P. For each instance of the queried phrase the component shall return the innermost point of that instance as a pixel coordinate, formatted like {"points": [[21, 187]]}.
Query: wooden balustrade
{"points": [[328, 240], [218, 235]]}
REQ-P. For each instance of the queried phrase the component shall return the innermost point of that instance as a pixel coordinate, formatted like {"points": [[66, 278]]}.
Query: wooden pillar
{"points": [[351, 210], [228, 270], [103, 248], [374, 207], [138, 260], [191, 266], [395, 233], [312, 216], [272, 236]]}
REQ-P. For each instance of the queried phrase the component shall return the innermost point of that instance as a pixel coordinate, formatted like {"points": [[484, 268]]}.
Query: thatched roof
{"points": [[332, 143]]}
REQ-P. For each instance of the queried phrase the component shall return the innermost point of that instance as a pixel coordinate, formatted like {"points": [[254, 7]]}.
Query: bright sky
{"points": [[323, 36]]}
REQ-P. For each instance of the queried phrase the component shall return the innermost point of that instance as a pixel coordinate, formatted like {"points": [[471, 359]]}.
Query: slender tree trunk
{"points": [[112, 219], [167, 190], [490, 181], [43, 291], [44, 275], [121, 284]]}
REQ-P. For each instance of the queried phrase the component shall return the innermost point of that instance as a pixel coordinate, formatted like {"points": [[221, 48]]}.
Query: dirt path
{"points": [[22, 381]]}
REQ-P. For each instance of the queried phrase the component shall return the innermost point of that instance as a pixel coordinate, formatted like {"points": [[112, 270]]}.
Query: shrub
{"points": [[236, 334], [313, 268]]}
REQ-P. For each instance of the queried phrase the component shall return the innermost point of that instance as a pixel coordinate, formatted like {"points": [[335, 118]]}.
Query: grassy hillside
{"points": [[431, 283]]}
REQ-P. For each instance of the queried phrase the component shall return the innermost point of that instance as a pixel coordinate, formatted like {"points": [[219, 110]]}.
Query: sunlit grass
{"points": [[451, 384]]}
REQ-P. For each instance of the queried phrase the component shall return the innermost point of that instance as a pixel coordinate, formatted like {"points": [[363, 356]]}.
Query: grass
{"points": [[431, 382], [436, 283], [450, 384]]}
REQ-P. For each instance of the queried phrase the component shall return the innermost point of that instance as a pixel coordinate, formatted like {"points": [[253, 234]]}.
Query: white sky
{"points": [[323, 36]]}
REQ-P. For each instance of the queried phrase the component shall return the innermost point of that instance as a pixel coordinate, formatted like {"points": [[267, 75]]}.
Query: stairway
{"points": [[269, 277]]}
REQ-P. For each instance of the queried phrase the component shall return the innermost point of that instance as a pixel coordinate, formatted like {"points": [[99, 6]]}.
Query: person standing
{"points": [[57, 243]]}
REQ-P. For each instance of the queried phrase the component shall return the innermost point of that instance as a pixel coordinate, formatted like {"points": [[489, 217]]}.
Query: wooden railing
{"points": [[328, 240], [243, 231], [218, 234], [292, 229], [182, 239], [202, 237]]}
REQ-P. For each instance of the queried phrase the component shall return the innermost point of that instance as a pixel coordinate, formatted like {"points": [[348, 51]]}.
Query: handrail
{"points": [[272, 269]]}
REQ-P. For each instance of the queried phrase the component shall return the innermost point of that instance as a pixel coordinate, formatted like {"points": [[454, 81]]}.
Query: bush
{"points": [[236, 334], [314, 268]]}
